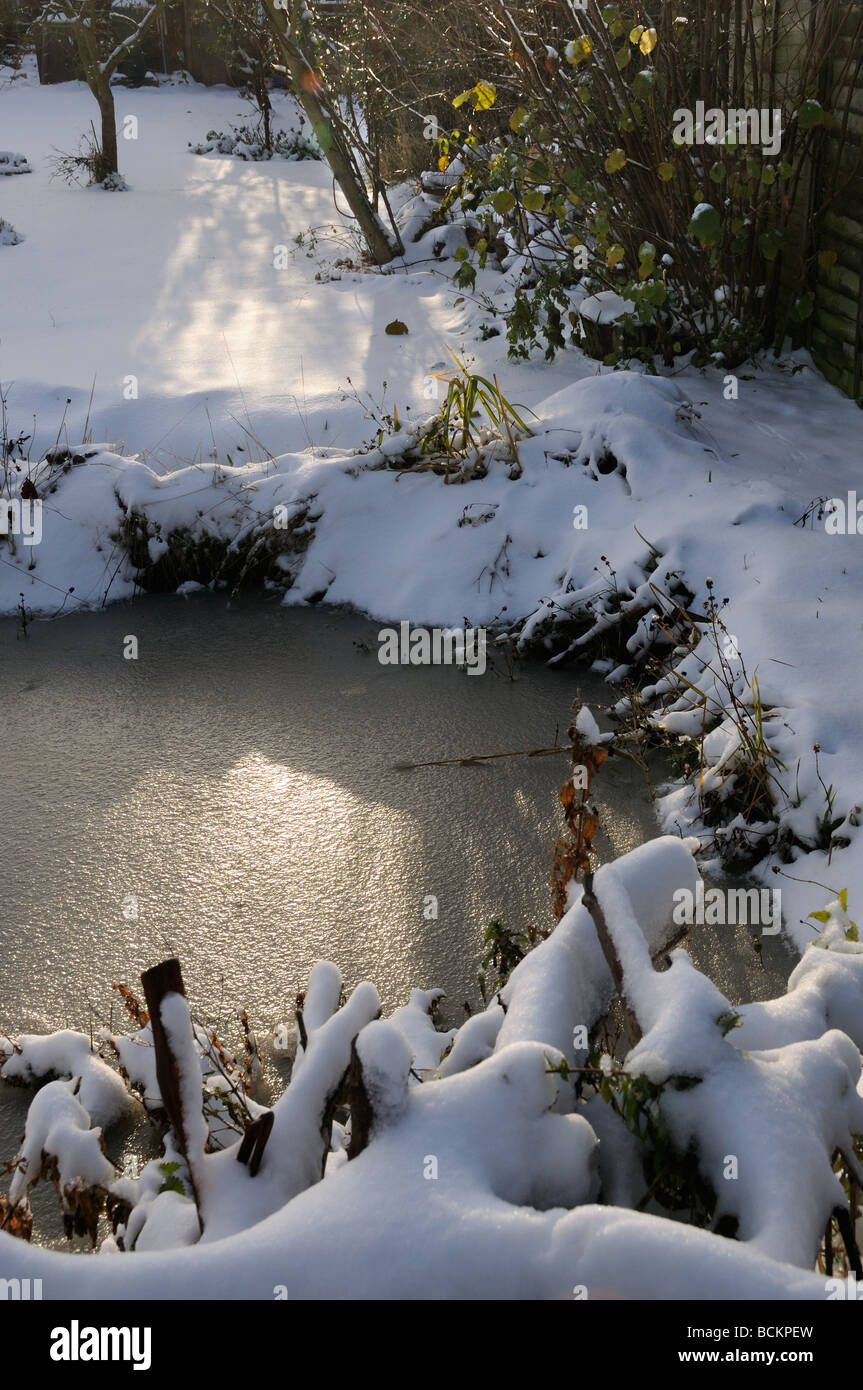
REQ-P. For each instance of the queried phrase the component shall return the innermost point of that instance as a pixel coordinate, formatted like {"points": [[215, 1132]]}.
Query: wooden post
{"points": [[158, 982]]}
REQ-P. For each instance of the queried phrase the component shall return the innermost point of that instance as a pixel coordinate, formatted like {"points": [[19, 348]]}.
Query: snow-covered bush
{"points": [[599, 184], [11, 163], [498, 1159], [8, 234], [248, 142]]}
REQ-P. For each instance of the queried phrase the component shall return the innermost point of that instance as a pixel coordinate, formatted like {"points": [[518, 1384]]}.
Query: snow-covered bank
{"points": [[479, 1177]]}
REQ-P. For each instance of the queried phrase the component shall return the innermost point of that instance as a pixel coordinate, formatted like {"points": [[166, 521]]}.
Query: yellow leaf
{"points": [[615, 161], [666, 171], [577, 50], [821, 916], [843, 898], [648, 41], [636, 33], [614, 255]]}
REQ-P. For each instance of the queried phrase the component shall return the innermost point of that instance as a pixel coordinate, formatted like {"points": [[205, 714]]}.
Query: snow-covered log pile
{"points": [[512, 1157]]}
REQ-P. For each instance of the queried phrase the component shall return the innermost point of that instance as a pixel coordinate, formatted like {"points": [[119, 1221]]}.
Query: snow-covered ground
{"points": [[174, 284]]}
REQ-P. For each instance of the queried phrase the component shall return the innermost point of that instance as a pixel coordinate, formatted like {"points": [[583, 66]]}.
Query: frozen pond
{"points": [[234, 787]]}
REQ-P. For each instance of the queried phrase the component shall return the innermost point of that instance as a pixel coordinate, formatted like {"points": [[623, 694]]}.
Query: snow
{"points": [[58, 1126], [605, 307], [68, 1054]]}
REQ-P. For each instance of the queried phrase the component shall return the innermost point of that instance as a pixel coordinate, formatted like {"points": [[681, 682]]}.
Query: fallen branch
{"points": [[591, 902], [470, 758]]}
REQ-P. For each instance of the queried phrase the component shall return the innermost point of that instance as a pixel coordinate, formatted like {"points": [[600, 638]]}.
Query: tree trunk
{"points": [[101, 89], [381, 248]]}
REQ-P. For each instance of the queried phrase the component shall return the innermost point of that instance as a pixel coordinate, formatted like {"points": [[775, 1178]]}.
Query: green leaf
{"points": [[644, 82], [810, 114], [717, 171], [534, 201], [518, 118], [172, 1185], [805, 306], [655, 293], [768, 245], [705, 226], [729, 1020]]}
